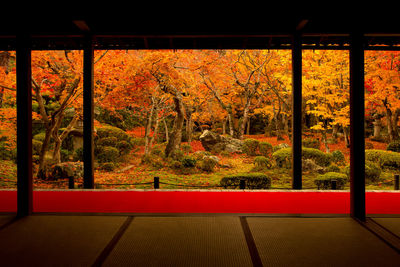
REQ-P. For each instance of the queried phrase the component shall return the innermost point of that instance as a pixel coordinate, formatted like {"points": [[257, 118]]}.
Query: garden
{"points": [[201, 119]]}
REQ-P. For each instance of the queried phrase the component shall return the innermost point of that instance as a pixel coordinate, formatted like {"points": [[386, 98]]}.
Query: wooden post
{"points": [[296, 111], [88, 114], [24, 127], [357, 142]]}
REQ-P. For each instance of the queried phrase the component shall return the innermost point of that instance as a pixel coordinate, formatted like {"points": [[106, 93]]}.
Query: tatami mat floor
{"points": [[201, 240]]}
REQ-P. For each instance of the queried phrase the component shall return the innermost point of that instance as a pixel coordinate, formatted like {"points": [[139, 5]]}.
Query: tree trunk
{"points": [[155, 132], [231, 127], [389, 123], [166, 131], [148, 129], [189, 126], [41, 170], [248, 127], [224, 121], [176, 135], [335, 130], [346, 136], [244, 122]]}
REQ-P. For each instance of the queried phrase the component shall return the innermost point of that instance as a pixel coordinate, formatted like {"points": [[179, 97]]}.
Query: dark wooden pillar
{"points": [[296, 111], [88, 114], [357, 143], [24, 127]]}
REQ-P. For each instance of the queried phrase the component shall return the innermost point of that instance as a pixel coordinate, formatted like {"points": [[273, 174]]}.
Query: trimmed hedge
{"points": [[262, 162], [189, 162], [253, 181], [108, 141], [324, 181], [311, 143], [207, 163], [385, 159], [111, 131], [372, 171], [394, 146], [108, 154], [283, 157], [250, 146], [338, 157], [265, 149]]}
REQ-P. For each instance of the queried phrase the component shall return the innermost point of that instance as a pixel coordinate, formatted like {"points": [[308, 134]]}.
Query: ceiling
{"points": [[144, 28]]}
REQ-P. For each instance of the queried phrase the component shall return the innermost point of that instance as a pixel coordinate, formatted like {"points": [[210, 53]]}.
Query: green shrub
{"points": [[283, 157], [311, 143], [372, 171], [250, 146], [111, 131], [65, 155], [108, 166], [280, 146], [265, 148], [394, 146], [124, 147], [186, 148], [332, 168], [177, 155], [40, 136], [189, 162], [324, 181], [107, 141], [78, 154], [385, 159], [207, 163], [338, 157], [36, 146], [262, 163], [176, 165], [137, 141], [199, 155], [319, 157], [6, 153], [252, 180], [108, 154]]}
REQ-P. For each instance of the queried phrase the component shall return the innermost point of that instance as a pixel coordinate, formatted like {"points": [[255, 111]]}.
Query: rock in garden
{"points": [[67, 170], [217, 143], [308, 165]]}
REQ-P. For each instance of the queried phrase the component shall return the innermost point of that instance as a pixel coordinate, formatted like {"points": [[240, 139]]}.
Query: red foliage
{"points": [[137, 132], [197, 146]]}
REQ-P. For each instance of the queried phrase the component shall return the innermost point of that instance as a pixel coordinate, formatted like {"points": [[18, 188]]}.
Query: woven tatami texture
{"points": [[182, 241], [319, 242]]}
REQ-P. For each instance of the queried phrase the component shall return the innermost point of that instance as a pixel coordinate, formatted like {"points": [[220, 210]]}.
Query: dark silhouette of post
{"points": [[88, 114], [24, 127], [357, 142], [296, 111]]}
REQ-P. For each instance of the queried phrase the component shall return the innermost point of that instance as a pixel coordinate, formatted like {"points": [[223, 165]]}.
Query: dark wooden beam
{"points": [[88, 114], [357, 142], [296, 111], [82, 25], [24, 127], [300, 26]]}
